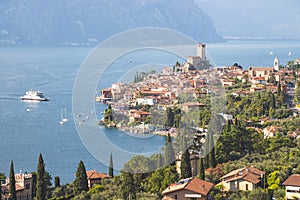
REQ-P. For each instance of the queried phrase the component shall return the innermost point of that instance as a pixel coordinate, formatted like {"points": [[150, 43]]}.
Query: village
{"points": [[163, 90]]}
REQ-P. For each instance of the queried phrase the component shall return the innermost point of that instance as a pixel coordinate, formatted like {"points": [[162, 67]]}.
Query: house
{"points": [[247, 178], [95, 177], [191, 105], [188, 189], [227, 82], [23, 187], [292, 187], [137, 115], [270, 131]]}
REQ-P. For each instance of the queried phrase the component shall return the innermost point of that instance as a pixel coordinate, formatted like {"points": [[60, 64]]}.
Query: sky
{"points": [[255, 18]]}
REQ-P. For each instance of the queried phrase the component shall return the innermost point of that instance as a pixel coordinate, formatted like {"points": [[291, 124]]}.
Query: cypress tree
{"points": [[272, 101], [279, 88], [169, 157], [81, 182], [201, 174], [111, 168], [41, 185], [211, 156], [56, 181], [12, 183], [34, 180], [185, 166], [170, 117]]}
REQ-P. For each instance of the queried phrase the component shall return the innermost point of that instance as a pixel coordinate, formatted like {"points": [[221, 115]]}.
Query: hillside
{"points": [[55, 22]]}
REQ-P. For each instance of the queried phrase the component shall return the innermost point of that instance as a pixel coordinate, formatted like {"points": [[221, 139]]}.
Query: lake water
{"points": [[28, 129]]}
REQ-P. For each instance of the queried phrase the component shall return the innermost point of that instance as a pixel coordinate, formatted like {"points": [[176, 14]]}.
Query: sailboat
{"points": [[61, 122], [65, 119]]}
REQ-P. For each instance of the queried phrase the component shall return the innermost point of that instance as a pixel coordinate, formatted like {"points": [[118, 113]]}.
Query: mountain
{"points": [[55, 22]]}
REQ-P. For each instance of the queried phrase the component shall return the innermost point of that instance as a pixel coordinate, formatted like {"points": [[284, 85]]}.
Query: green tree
{"points": [[56, 181], [169, 157], [272, 101], [81, 182], [111, 167], [201, 174], [12, 183], [170, 117], [170, 176], [279, 88], [41, 185], [185, 166], [127, 188], [34, 182], [212, 156]]}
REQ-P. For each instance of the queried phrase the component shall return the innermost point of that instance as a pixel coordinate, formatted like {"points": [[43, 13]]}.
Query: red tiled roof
{"points": [[192, 184], [93, 174], [249, 174], [199, 186], [293, 180]]}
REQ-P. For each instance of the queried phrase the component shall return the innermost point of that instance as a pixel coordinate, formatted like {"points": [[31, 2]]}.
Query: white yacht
{"points": [[34, 95]]}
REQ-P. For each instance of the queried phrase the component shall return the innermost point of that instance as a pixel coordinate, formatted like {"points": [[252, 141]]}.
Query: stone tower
{"points": [[201, 51], [276, 63]]}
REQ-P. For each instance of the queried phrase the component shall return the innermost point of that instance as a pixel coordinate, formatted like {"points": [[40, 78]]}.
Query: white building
{"points": [[292, 187], [276, 64]]}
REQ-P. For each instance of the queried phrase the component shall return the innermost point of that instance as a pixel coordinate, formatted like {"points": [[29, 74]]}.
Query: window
{"points": [[247, 187], [175, 197], [27, 186]]}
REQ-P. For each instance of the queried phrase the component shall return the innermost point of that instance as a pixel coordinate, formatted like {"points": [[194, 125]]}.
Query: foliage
{"points": [[41, 184], [111, 167], [185, 166], [80, 182], [12, 183], [169, 157], [170, 117], [249, 195], [234, 142], [160, 179], [257, 105], [201, 174], [128, 189], [56, 181]]}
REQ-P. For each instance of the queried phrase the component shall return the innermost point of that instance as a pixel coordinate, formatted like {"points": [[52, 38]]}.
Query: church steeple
{"points": [[276, 63]]}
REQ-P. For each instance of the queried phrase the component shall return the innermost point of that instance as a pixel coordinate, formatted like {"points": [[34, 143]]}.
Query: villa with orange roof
{"points": [[247, 178], [188, 189], [95, 177]]}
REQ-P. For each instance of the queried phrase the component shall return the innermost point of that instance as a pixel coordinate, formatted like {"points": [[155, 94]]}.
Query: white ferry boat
{"points": [[34, 96]]}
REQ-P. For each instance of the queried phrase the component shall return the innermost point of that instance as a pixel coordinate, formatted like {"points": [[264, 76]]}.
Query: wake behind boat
{"points": [[34, 96]]}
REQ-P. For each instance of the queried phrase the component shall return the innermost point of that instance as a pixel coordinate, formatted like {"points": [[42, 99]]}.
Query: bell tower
{"points": [[276, 63]]}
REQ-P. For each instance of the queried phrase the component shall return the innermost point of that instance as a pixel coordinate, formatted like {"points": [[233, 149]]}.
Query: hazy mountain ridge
{"points": [[69, 22]]}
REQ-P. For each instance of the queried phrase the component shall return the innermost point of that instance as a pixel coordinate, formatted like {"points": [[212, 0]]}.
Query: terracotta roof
{"points": [[93, 174], [249, 174], [199, 186], [293, 180], [192, 184]]}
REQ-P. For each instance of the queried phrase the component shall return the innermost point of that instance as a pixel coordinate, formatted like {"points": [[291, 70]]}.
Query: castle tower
{"points": [[201, 51], [276, 63]]}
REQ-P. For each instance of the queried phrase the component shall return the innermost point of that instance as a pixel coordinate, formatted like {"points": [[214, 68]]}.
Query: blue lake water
{"points": [[28, 129]]}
